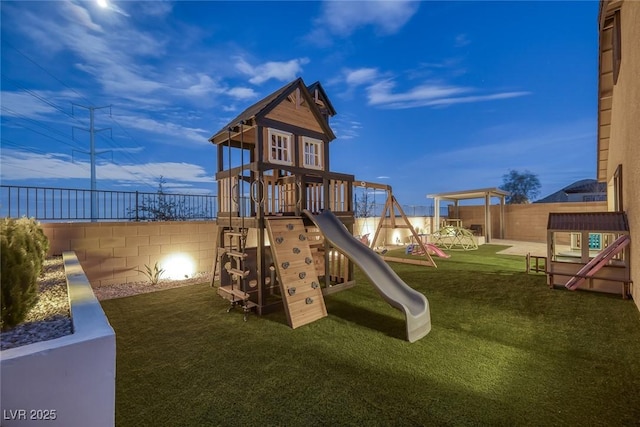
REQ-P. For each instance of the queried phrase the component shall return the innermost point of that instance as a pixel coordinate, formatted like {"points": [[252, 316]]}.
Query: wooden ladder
{"points": [[233, 250], [299, 284]]}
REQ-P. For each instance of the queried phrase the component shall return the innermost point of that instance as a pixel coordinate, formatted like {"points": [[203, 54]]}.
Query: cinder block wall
{"points": [[390, 236], [111, 252], [524, 222]]}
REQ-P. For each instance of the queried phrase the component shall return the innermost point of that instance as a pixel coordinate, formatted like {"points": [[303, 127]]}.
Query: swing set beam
{"points": [[391, 204]]}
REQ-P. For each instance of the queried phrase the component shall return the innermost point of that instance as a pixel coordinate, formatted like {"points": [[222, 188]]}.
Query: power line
{"points": [[111, 142], [35, 95], [45, 70], [37, 122]]}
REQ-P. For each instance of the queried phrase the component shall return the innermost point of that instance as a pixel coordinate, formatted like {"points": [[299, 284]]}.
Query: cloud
{"points": [[277, 70], [179, 133], [381, 94], [26, 166], [361, 76], [343, 18], [345, 127], [242, 93]]}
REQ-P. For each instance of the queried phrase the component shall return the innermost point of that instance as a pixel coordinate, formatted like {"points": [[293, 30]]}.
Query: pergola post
{"points": [[487, 217], [435, 225], [502, 217]]}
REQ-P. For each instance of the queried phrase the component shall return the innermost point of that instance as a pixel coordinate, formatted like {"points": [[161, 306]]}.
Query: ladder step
{"points": [[236, 272], [235, 292], [234, 233], [237, 254]]}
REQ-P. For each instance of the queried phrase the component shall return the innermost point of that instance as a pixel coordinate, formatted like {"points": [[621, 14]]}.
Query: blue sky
{"points": [[431, 96]]}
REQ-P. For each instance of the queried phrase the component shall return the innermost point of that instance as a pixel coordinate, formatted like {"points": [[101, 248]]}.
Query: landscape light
{"points": [[178, 266]]}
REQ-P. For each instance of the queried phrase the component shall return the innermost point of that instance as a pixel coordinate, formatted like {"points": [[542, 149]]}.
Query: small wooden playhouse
{"points": [[272, 164]]}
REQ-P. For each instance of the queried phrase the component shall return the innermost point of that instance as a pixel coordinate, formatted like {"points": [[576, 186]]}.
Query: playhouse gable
{"points": [[295, 110], [295, 106]]}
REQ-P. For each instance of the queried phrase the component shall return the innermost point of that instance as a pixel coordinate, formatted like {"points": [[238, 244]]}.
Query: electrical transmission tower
{"points": [[92, 152]]}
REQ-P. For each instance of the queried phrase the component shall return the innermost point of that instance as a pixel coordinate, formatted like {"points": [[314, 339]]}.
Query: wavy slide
{"points": [[436, 250], [397, 293]]}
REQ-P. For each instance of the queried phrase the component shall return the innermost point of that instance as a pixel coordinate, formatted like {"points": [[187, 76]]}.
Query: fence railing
{"points": [[72, 204], [375, 210]]}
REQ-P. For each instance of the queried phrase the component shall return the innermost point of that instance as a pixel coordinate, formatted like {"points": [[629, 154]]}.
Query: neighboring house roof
{"points": [[588, 221], [584, 186], [267, 103]]}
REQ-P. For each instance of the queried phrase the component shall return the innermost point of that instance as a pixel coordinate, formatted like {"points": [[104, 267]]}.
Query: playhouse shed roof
{"points": [[588, 221]]}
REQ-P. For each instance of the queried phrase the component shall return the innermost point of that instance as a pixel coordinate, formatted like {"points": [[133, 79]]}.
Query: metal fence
{"points": [[374, 210], [72, 204]]}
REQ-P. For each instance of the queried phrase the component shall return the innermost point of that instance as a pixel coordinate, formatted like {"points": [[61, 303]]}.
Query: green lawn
{"points": [[504, 350]]}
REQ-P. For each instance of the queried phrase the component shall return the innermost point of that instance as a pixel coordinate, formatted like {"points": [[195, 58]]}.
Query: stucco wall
{"points": [[68, 381], [111, 252], [524, 222], [624, 143]]}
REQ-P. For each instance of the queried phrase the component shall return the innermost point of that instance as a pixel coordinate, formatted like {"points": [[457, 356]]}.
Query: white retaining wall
{"points": [[68, 381]]}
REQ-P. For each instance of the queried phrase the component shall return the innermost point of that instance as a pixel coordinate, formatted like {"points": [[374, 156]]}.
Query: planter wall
{"points": [[68, 381]]}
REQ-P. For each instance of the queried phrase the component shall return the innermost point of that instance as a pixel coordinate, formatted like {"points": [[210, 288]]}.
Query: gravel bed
{"points": [[50, 318], [134, 288]]}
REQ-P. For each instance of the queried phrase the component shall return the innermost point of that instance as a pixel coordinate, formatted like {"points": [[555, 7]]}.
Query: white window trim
{"points": [[320, 145], [289, 147]]}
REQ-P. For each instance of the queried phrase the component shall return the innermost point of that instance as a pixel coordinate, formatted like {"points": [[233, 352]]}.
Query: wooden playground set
{"points": [[273, 178]]}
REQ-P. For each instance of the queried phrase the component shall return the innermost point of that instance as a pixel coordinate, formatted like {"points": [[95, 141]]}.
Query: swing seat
{"points": [[364, 239]]}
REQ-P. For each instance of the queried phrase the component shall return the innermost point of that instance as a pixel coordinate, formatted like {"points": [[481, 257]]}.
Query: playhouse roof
{"points": [[588, 221], [266, 104]]}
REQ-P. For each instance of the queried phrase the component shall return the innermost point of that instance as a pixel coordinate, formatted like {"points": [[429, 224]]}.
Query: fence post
{"points": [[137, 207]]}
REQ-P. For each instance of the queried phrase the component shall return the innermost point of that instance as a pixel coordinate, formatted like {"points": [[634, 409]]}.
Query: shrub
{"points": [[23, 250], [153, 274]]}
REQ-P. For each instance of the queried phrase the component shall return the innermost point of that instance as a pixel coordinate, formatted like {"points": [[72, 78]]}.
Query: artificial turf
{"points": [[504, 350]]}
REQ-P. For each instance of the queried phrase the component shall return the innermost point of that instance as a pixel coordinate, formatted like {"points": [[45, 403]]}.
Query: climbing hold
{"points": [[302, 275], [308, 260], [296, 250], [302, 237], [309, 300], [279, 240], [314, 285], [285, 265], [292, 291], [289, 226]]}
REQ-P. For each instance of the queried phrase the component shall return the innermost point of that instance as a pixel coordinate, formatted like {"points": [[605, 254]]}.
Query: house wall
{"points": [[624, 142], [111, 252], [523, 222]]}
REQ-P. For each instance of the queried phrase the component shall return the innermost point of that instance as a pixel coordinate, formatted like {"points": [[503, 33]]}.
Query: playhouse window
{"points": [[279, 147], [312, 153]]}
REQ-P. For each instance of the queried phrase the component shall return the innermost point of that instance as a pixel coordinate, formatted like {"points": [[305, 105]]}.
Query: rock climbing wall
{"points": [[296, 269]]}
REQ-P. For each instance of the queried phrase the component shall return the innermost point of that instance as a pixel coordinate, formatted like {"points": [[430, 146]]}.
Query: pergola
{"points": [[483, 193]]}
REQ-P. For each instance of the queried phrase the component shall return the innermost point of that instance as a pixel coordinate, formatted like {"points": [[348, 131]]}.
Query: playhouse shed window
{"points": [[280, 147], [312, 153]]}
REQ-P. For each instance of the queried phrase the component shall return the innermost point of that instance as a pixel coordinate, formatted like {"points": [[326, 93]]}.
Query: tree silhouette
{"points": [[523, 186]]}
